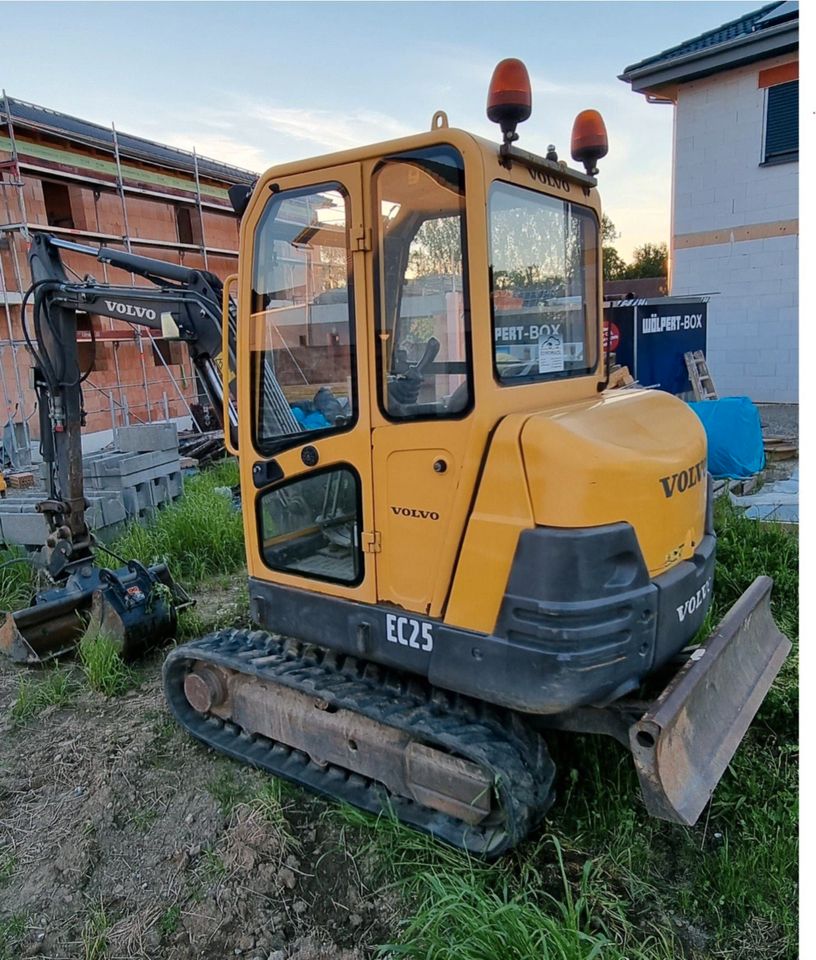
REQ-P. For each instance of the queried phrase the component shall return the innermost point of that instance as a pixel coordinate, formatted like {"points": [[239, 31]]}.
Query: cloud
{"points": [[224, 149], [328, 129], [256, 135]]}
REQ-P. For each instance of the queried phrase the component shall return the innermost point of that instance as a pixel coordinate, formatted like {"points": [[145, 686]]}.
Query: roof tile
{"points": [[711, 38]]}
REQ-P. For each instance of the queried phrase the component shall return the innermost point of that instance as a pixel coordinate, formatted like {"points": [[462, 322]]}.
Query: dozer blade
{"points": [[685, 740], [136, 607]]}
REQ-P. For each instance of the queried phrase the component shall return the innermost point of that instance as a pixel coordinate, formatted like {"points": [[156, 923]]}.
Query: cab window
{"points": [[310, 526], [544, 285], [423, 318], [302, 319]]}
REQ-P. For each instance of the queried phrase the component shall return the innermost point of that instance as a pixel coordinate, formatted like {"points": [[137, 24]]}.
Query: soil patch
{"points": [[122, 837]]}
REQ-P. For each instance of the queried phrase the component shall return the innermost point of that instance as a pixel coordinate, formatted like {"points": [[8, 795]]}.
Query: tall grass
{"points": [[199, 536], [103, 666], [17, 579], [531, 904], [36, 692], [745, 549]]}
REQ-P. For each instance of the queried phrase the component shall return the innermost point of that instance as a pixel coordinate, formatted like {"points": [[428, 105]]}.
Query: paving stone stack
{"points": [[140, 474]]}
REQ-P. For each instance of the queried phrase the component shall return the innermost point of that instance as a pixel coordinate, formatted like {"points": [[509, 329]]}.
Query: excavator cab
{"points": [[466, 536]]}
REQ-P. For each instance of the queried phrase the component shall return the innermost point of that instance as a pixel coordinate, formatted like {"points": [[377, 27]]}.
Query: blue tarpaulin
{"points": [[734, 432]]}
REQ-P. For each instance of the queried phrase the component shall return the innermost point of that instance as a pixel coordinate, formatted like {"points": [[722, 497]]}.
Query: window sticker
{"points": [[551, 354]]}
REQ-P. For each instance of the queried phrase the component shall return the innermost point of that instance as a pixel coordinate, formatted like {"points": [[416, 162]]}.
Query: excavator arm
{"points": [[182, 304], [136, 605]]}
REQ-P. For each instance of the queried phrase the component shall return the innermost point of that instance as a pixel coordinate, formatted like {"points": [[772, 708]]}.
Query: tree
{"points": [[609, 232], [650, 260], [614, 266]]}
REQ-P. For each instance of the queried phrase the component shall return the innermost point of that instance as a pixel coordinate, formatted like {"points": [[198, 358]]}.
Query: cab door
{"points": [[303, 386], [423, 407]]}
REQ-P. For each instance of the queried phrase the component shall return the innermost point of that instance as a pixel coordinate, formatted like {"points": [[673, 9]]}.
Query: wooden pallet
{"points": [[702, 382]]}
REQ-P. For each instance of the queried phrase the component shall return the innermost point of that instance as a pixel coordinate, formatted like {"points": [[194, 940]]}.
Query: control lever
{"points": [[427, 358]]}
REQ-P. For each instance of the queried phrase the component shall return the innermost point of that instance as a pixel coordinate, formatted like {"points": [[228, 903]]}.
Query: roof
{"points": [[763, 32], [30, 116]]}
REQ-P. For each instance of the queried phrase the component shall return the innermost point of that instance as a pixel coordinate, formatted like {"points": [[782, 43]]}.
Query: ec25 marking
{"points": [[409, 632]]}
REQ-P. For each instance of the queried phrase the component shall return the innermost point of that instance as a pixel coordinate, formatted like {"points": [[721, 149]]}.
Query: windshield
{"points": [[544, 280]]}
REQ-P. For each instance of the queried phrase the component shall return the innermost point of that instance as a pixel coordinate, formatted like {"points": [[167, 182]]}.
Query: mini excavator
{"points": [[457, 537], [136, 605]]}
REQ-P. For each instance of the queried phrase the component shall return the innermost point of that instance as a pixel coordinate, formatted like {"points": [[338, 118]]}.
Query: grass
{"points": [[169, 920], [212, 869], [199, 536], [734, 875], [95, 934], [609, 882], [143, 818], [52, 687], [12, 931], [17, 579], [229, 788], [8, 864], [745, 549], [269, 802], [604, 882], [103, 666]]}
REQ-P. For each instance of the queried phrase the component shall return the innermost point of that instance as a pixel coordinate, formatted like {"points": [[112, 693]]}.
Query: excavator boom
{"points": [[137, 605]]}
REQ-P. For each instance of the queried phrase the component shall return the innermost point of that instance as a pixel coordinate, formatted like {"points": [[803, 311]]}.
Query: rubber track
{"points": [[496, 739]]}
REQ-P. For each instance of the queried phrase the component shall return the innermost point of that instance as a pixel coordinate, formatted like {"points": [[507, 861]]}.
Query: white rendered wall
{"points": [[720, 184], [753, 323]]}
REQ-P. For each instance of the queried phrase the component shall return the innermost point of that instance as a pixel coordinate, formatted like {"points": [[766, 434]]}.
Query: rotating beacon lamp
{"points": [[509, 99], [589, 140]]}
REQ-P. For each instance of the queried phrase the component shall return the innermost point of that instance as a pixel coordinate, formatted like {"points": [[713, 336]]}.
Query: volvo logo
{"points": [[131, 310], [684, 480], [416, 514]]}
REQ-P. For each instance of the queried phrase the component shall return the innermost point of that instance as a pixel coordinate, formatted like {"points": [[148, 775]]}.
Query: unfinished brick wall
{"points": [[129, 371]]}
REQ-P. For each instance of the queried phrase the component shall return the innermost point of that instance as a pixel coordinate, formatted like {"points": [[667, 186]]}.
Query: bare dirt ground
{"points": [[122, 837]]}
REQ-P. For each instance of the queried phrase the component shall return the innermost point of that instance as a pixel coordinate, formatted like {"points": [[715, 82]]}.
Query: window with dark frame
{"points": [[57, 199], [782, 122], [544, 285], [184, 225], [310, 526]]}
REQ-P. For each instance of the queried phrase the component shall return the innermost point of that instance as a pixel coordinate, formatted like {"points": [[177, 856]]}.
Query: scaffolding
{"points": [[112, 400]]}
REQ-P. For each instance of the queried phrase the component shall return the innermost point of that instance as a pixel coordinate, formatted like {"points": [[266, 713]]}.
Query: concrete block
{"points": [[26, 529], [144, 438], [116, 464]]}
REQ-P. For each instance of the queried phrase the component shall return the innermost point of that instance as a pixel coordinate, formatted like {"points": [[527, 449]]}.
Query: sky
{"points": [[255, 84]]}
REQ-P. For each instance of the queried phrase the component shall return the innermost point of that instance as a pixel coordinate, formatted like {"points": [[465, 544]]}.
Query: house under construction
{"points": [[94, 185]]}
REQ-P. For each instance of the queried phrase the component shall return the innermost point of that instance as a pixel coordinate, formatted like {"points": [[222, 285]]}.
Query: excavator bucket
{"points": [[46, 629], [136, 607], [685, 740]]}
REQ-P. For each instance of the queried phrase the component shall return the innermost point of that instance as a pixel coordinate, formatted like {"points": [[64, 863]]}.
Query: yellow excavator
{"points": [[457, 537]]}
